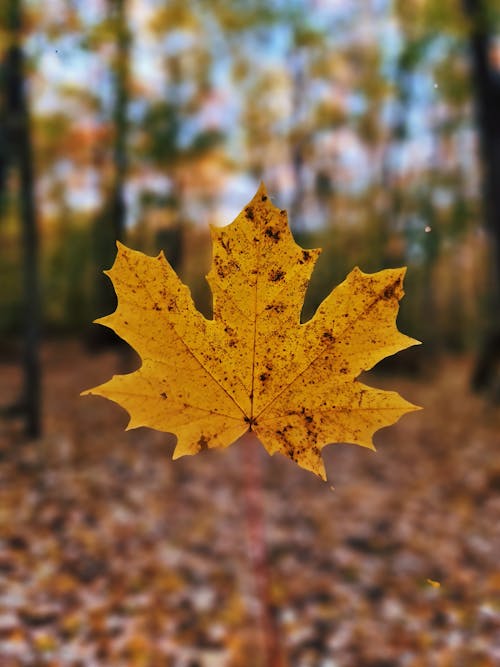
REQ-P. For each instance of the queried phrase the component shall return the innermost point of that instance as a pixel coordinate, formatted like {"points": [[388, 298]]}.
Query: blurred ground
{"points": [[112, 554]]}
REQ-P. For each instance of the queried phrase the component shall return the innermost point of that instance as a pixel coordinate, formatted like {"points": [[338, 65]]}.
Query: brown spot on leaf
{"points": [[263, 377], [275, 275], [249, 212], [274, 234], [203, 443], [163, 395], [390, 290]]}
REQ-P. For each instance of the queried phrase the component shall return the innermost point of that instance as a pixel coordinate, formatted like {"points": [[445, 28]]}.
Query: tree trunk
{"points": [[110, 222], [20, 156], [299, 140], [486, 81], [121, 72], [4, 137]]}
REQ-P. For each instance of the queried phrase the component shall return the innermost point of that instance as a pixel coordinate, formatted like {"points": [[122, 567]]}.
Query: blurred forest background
{"points": [[146, 121], [376, 123]]}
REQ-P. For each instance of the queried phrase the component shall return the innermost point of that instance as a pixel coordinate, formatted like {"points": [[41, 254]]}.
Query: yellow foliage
{"points": [[254, 366], [45, 642]]}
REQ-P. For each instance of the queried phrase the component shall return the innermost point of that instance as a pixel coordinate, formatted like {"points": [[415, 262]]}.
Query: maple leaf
{"points": [[254, 366]]}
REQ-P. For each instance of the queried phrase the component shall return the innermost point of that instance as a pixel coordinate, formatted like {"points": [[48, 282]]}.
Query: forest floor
{"points": [[112, 554]]}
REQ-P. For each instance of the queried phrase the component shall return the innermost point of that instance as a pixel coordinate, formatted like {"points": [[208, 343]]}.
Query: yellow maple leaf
{"points": [[254, 366]]}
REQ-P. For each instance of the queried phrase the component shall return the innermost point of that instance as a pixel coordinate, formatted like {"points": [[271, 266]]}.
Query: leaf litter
{"points": [[110, 555]]}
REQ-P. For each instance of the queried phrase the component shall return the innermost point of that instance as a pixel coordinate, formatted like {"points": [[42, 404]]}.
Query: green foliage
{"points": [[161, 128], [67, 277]]}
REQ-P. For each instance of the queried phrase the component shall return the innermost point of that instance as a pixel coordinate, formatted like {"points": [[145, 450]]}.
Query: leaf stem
{"points": [[258, 552]]}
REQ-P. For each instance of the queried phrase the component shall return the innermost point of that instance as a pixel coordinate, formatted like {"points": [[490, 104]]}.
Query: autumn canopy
{"points": [[254, 365]]}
